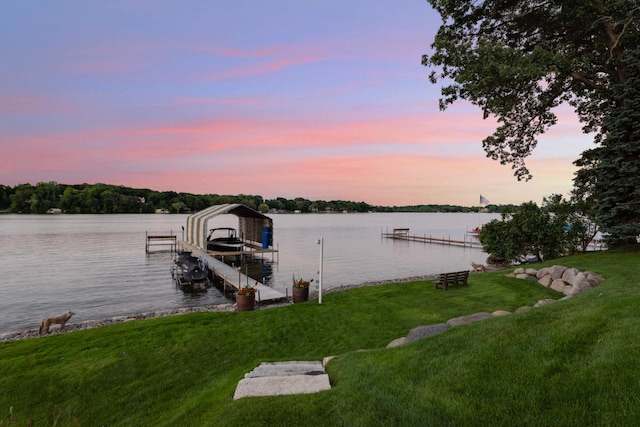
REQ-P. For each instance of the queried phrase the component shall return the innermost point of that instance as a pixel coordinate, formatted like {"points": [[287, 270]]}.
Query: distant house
{"points": [[162, 211], [54, 211]]}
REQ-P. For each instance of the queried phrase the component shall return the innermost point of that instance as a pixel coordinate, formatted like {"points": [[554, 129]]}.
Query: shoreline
{"points": [[222, 308]]}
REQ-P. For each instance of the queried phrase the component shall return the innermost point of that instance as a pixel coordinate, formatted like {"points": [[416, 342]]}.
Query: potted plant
{"points": [[300, 289], [246, 298]]}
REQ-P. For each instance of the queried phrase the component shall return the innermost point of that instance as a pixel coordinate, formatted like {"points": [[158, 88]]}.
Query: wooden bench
{"points": [[451, 279]]}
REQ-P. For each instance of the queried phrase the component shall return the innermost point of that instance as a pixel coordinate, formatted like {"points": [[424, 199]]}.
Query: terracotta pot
{"points": [[300, 294], [246, 302]]}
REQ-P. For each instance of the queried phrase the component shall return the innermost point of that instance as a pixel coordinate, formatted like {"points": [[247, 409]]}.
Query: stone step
{"points": [[276, 369], [282, 378]]}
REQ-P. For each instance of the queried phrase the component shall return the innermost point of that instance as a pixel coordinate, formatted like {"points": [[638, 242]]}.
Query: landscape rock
{"points": [[579, 277], [570, 274], [543, 272], [569, 281], [544, 302], [398, 342], [557, 271], [558, 285], [523, 308], [595, 276], [498, 313], [583, 285], [463, 320], [545, 280], [426, 331]]}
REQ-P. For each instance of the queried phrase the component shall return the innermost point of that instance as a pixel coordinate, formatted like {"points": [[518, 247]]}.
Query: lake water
{"points": [[97, 266]]}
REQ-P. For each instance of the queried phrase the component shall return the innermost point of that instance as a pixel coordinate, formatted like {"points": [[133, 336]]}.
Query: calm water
{"points": [[96, 265]]}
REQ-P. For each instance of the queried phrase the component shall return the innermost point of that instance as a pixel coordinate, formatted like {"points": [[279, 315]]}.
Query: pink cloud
{"points": [[384, 180], [269, 66]]}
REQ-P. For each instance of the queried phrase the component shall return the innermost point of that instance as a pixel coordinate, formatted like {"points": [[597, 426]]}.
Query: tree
{"points": [[550, 231], [612, 171], [518, 60]]}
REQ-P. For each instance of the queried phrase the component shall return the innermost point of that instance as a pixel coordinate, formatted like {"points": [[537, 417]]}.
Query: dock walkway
{"points": [[403, 234], [232, 276], [162, 240]]}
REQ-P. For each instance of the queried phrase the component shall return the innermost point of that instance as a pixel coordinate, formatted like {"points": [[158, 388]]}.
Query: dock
{"points": [[165, 241], [232, 276], [403, 234]]}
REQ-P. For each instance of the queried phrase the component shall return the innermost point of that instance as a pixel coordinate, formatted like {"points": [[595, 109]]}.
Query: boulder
{"points": [[421, 332], [463, 320], [569, 274], [558, 285], [583, 285], [531, 271], [543, 272], [579, 277], [544, 302], [397, 342], [595, 276], [519, 270], [545, 280], [523, 276], [499, 313], [523, 308], [557, 271]]}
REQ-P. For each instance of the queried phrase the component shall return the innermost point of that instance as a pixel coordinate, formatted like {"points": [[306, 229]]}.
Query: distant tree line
{"points": [[109, 199]]}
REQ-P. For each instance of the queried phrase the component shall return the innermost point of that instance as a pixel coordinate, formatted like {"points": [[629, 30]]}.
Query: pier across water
{"points": [[403, 234], [165, 241], [233, 276]]}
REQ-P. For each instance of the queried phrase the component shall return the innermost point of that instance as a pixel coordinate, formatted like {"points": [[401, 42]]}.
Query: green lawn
{"points": [[573, 363]]}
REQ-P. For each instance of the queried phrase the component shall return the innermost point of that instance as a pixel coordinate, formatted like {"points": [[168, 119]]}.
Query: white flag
{"points": [[483, 200]]}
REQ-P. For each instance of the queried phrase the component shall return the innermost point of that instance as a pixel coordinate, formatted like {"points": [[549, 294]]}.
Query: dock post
{"points": [[321, 243]]}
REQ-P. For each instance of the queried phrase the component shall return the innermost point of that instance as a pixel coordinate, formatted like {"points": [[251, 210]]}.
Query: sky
{"points": [[283, 98]]}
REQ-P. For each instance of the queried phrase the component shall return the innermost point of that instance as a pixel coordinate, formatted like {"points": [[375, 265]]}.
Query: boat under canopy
{"points": [[224, 239], [254, 228]]}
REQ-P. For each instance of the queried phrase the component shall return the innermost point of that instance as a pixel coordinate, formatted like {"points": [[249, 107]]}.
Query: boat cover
{"points": [[251, 224]]}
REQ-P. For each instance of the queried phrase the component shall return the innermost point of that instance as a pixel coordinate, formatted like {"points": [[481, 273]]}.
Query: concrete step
{"points": [[277, 369], [282, 378]]}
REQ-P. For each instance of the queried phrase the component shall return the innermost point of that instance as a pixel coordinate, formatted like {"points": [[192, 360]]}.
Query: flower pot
{"points": [[246, 302], [300, 294]]}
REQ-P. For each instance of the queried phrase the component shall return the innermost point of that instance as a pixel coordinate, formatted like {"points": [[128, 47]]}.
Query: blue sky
{"points": [[287, 99]]}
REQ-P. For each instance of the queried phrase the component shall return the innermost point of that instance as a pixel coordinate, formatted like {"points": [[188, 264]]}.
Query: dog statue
{"points": [[60, 320], [478, 267]]}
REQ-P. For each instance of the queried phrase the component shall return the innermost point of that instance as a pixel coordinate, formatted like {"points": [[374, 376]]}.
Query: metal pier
{"points": [[233, 276], [403, 234], [165, 240]]}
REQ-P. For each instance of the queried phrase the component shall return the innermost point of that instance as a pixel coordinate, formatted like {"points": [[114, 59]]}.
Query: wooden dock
{"points": [[166, 241], [232, 276], [403, 234]]}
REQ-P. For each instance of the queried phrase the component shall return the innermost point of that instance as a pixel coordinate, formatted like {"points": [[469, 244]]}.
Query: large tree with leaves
{"points": [[519, 59]]}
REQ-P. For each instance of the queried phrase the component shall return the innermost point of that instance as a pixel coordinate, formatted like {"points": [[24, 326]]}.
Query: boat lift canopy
{"points": [[252, 225]]}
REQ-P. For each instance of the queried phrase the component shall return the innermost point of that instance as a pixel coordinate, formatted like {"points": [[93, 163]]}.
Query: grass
{"points": [[576, 362]]}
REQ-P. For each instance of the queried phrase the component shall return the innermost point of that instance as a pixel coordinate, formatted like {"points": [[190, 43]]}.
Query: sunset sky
{"points": [[282, 98]]}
